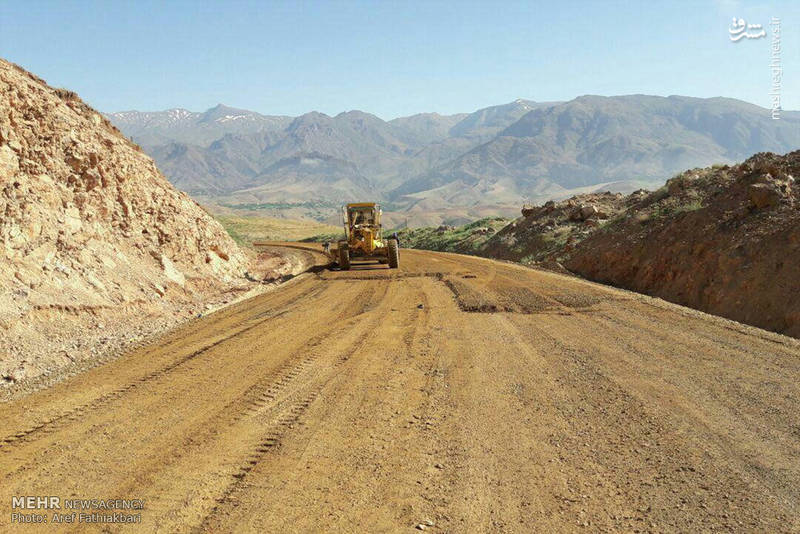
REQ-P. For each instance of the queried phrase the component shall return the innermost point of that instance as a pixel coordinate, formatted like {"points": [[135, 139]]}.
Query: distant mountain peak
{"points": [[222, 111], [225, 108], [314, 114], [498, 154]]}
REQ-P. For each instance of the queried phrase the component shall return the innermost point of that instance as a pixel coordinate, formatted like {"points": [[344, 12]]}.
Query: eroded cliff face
{"points": [[725, 240], [90, 231]]}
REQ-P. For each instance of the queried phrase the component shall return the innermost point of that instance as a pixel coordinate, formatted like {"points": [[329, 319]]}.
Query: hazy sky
{"points": [[394, 58]]}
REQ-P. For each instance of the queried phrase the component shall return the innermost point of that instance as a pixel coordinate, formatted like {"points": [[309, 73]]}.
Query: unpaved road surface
{"points": [[475, 395]]}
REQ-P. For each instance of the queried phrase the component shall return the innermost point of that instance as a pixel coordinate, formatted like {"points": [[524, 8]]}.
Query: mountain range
{"points": [[452, 165]]}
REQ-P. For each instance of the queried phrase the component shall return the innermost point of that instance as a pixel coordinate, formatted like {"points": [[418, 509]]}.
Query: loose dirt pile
{"points": [[93, 239], [724, 239]]}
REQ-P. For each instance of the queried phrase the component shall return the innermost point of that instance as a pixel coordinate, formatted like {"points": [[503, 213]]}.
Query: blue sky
{"points": [[394, 58]]}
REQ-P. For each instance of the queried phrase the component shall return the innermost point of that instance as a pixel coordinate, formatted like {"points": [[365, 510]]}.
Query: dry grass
{"points": [[245, 230]]}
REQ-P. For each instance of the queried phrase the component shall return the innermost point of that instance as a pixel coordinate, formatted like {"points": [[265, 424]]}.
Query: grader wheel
{"points": [[344, 256], [394, 254]]}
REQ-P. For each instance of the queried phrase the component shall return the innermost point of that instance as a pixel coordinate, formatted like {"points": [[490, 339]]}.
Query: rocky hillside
{"points": [[91, 233], [548, 232], [722, 239]]}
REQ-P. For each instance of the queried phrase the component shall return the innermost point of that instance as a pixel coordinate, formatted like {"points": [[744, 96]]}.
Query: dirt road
{"points": [[457, 393]]}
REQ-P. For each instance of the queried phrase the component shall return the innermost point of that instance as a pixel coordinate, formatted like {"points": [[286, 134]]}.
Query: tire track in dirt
{"points": [[269, 441], [270, 394], [332, 414], [282, 422], [356, 382], [52, 423], [221, 418], [412, 325]]}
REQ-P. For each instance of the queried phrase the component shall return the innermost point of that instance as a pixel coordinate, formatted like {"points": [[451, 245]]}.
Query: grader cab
{"points": [[363, 240]]}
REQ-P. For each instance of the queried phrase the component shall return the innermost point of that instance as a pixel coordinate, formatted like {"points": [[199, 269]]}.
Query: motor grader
{"points": [[363, 239]]}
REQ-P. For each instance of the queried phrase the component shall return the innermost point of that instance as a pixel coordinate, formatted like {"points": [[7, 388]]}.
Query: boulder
{"points": [[764, 195], [9, 162], [171, 272], [587, 212], [679, 183], [584, 212]]}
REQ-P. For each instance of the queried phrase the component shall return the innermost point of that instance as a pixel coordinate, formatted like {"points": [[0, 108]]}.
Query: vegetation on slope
{"points": [[467, 239], [246, 230]]}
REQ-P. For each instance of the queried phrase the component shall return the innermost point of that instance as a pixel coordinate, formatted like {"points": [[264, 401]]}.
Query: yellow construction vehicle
{"points": [[363, 240]]}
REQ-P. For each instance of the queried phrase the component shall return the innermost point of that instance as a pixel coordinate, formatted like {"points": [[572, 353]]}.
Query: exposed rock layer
{"points": [[89, 227]]}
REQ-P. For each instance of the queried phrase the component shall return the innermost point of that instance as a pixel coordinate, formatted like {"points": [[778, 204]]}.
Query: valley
{"points": [[432, 169]]}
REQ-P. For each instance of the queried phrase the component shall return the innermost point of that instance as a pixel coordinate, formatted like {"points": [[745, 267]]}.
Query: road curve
{"points": [[457, 393]]}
